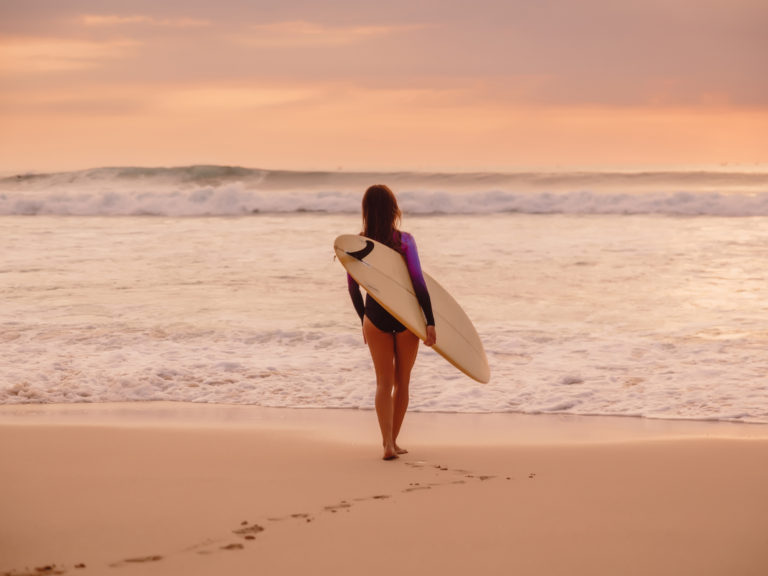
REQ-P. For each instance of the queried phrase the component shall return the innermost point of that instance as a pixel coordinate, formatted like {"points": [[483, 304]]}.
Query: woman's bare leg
{"points": [[406, 349], [382, 348]]}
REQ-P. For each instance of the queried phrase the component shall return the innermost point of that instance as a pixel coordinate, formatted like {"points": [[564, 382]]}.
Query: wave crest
{"points": [[235, 199], [225, 190]]}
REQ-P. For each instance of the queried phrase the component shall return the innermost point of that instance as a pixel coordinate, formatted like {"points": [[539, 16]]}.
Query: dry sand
{"points": [[183, 489]]}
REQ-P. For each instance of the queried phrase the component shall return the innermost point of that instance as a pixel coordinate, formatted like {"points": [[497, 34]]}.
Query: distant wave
{"points": [[224, 190]]}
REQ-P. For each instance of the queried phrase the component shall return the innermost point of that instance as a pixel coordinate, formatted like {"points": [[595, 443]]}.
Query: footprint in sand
{"points": [[144, 559], [207, 542], [48, 569], [249, 531], [137, 560], [379, 497], [417, 488], [301, 516], [337, 507]]}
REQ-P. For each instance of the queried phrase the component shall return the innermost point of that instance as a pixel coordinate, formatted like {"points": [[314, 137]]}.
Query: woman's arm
{"points": [[411, 256], [357, 299]]}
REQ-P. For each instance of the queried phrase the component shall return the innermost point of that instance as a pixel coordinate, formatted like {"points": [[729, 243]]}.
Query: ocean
{"points": [[598, 293]]}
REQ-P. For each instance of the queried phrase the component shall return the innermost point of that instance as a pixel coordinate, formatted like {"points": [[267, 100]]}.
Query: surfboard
{"points": [[382, 273]]}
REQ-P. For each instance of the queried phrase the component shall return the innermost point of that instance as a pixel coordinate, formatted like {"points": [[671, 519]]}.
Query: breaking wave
{"points": [[224, 190]]}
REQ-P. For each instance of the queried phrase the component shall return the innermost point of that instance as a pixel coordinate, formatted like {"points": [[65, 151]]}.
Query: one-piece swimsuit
{"points": [[382, 319]]}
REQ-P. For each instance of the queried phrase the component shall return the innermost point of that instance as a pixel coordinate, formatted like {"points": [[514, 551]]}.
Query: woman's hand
{"points": [[431, 336]]}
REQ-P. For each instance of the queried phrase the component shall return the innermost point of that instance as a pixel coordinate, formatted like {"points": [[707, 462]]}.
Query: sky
{"points": [[399, 85]]}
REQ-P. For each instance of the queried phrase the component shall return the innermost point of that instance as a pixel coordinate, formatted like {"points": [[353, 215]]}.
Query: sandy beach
{"points": [[163, 488]]}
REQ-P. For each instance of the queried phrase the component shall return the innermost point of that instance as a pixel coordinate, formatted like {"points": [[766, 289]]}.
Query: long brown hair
{"points": [[381, 217]]}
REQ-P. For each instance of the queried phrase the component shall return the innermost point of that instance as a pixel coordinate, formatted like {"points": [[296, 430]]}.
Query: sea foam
{"points": [[532, 373], [221, 191], [616, 315]]}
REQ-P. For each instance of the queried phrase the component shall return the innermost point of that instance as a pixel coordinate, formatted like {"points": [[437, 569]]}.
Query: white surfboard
{"points": [[383, 274]]}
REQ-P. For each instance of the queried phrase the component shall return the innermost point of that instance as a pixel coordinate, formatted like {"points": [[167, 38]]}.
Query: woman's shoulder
{"points": [[406, 239]]}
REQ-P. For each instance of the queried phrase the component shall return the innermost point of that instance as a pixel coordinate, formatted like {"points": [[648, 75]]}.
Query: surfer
{"points": [[393, 347]]}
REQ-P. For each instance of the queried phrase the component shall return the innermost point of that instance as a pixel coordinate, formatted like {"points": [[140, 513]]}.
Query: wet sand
{"points": [[160, 488]]}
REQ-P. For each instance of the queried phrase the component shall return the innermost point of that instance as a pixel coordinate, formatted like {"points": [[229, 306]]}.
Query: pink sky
{"points": [[450, 85]]}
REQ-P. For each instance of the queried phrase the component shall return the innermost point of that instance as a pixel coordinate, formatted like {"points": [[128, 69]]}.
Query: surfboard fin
{"points": [[360, 254]]}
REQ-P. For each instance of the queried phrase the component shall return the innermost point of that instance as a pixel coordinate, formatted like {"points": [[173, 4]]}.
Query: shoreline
{"points": [[465, 428], [165, 490]]}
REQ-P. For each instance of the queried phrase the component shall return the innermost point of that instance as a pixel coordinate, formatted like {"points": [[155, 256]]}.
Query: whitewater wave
{"points": [[223, 190], [678, 379], [234, 199]]}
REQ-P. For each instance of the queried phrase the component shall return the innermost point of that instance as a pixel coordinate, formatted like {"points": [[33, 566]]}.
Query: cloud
{"points": [[34, 55], [114, 20], [233, 98], [300, 33], [551, 53]]}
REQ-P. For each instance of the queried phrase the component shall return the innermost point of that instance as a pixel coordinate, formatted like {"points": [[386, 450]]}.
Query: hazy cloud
{"points": [[384, 82], [312, 34], [549, 52], [233, 98], [40, 55], [112, 20]]}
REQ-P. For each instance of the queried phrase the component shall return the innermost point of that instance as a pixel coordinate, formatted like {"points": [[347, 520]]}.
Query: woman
{"points": [[393, 347]]}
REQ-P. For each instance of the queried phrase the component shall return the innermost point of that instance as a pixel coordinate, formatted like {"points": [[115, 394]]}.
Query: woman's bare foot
{"points": [[390, 453], [400, 450]]}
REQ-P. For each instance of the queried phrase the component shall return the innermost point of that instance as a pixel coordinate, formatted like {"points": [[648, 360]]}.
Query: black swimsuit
{"points": [[382, 319]]}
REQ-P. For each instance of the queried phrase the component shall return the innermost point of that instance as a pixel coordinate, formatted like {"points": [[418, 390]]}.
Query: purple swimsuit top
{"points": [[411, 256]]}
